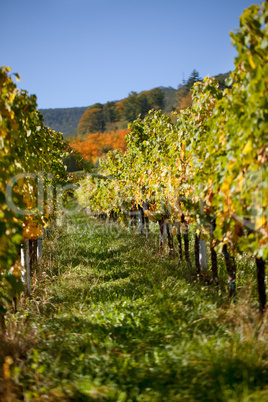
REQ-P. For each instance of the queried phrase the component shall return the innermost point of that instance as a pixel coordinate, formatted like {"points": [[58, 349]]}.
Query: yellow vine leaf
{"points": [[225, 188], [260, 221], [231, 164], [251, 61], [12, 97], [240, 180], [248, 147]]}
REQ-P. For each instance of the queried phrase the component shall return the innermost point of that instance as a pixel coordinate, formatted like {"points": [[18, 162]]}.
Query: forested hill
{"points": [[63, 120], [66, 120]]}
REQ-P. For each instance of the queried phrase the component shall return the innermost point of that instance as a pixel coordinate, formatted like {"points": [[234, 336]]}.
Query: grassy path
{"points": [[116, 321]]}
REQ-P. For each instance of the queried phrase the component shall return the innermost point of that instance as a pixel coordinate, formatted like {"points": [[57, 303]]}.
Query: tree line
{"points": [[99, 117]]}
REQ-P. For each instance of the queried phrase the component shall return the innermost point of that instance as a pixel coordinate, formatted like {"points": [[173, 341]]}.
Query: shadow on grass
{"points": [[147, 364]]}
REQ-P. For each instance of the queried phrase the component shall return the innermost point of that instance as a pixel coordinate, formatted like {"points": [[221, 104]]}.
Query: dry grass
{"points": [[15, 345]]}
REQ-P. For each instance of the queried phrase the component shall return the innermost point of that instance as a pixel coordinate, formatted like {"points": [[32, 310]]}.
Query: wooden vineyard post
{"points": [[170, 239], [231, 270], [145, 207], [27, 267], [202, 247], [213, 254], [147, 225], [186, 241], [203, 255], [141, 219], [33, 254], [179, 240], [163, 234], [214, 264], [196, 253], [39, 247], [260, 263]]}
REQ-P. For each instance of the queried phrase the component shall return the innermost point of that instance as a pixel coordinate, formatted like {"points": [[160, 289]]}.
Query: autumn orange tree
{"points": [[96, 145]]}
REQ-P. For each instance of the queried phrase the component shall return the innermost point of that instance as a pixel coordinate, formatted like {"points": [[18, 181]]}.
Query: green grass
{"points": [[112, 319]]}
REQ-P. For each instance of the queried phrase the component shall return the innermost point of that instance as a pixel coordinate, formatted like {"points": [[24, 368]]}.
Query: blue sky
{"points": [[79, 52]]}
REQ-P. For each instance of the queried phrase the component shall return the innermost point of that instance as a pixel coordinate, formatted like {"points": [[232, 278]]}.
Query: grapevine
{"points": [[31, 159], [207, 165]]}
